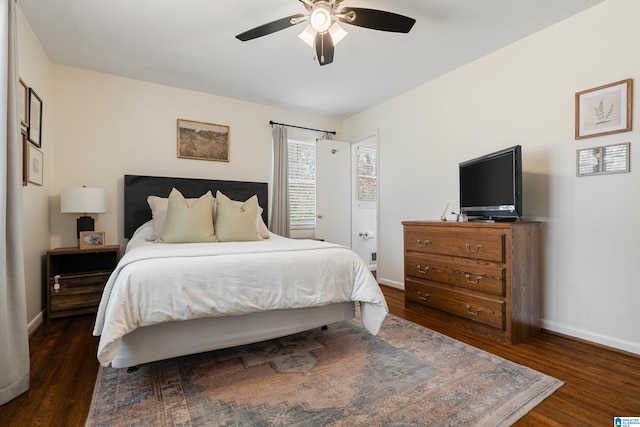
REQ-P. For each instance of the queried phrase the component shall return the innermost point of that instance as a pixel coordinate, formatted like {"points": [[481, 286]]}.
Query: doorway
{"points": [[347, 194]]}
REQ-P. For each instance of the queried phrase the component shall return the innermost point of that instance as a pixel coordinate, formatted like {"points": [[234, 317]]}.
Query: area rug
{"points": [[342, 376]]}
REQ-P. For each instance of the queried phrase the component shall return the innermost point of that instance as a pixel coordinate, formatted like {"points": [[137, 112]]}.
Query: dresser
{"points": [[76, 279], [482, 278]]}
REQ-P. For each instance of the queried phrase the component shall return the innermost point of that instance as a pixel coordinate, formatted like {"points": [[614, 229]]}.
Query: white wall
{"points": [[524, 94], [104, 126], [36, 71], [108, 126]]}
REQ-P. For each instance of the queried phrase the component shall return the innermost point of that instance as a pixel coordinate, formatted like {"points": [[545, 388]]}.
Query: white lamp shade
{"points": [[83, 200]]}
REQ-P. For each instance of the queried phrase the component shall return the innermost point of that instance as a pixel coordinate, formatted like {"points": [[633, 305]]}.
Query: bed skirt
{"points": [[180, 338]]}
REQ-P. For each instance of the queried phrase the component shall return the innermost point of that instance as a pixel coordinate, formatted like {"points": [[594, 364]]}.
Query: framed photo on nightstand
{"points": [[92, 239]]}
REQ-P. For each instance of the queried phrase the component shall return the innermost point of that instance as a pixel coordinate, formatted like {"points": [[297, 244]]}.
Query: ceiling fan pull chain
{"points": [[322, 47]]}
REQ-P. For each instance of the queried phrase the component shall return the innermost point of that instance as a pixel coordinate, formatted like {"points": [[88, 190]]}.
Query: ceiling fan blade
{"points": [[269, 28], [377, 20], [324, 48]]}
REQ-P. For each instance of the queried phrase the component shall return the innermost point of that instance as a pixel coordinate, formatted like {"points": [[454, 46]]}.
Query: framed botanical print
{"points": [[604, 109]]}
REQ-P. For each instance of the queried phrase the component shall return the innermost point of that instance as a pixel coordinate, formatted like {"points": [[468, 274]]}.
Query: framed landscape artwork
{"points": [[203, 141]]}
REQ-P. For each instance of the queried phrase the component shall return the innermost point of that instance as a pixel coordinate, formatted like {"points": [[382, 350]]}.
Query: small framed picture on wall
{"points": [[23, 106], [35, 119]]}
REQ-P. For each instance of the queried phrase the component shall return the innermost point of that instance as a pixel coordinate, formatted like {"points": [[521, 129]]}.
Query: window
{"points": [[367, 174], [302, 182]]}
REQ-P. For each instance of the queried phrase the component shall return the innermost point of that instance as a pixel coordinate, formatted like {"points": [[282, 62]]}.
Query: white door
{"points": [[364, 212], [333, 192]]}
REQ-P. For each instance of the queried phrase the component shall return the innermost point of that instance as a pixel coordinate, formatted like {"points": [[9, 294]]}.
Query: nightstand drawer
{"points": [[488, 245], [77, 292], [81, 275], [488, 311]]}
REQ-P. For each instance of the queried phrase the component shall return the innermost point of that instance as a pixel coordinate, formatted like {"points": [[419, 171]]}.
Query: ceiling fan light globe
{"points": [[320, 18], [337, 33], [308, 35]]}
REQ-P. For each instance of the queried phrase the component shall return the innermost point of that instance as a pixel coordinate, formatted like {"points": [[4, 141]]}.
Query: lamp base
{"points": [[85, 223]]}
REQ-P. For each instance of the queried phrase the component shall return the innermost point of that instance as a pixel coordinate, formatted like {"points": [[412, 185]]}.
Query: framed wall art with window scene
{"points": [[607, 159]]}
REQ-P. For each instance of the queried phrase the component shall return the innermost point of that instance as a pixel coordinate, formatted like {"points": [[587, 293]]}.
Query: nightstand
{"points": [[76, 279]]}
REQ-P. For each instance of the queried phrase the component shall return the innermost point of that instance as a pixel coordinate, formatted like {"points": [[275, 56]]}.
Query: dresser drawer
{"points": [[469, 243], [77, 291], [487, 311], [457, 272]]}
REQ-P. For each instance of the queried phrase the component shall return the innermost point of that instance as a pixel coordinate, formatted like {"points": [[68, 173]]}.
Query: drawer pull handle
{"points": [[423, 297], [56, 283], [423, 243], [473, 313], [468, 277], [476, 250], [422, 270]]}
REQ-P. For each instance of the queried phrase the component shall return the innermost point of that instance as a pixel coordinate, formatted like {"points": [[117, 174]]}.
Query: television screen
{"points": [[491, 185]]}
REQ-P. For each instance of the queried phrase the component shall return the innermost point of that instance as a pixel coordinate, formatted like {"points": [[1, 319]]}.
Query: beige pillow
{"points": [[236, 223], [188, 224], [159, 207], [262, 227]]}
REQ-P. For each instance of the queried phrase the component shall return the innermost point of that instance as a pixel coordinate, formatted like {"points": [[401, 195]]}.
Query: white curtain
{"points": [[14, 337], [280, 223]]}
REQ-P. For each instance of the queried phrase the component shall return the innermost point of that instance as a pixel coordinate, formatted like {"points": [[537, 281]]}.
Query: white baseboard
{"points": [[37, 321], [628, 346], [392, 283], [607, 341]]}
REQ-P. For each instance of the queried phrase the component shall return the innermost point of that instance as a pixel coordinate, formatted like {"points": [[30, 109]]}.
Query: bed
{"points": [[167, 300]]}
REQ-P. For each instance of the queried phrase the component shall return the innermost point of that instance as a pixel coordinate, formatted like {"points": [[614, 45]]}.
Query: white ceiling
{"points": [[191, 44]]}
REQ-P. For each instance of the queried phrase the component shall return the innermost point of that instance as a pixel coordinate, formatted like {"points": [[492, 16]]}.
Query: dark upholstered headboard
{"points": [[138, 187]]}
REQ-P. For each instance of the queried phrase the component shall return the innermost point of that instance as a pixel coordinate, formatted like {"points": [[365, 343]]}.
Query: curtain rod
{"points": [[271, 122]]}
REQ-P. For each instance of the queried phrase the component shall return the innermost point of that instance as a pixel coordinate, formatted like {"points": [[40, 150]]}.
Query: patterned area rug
{"points": [[343, 376]]}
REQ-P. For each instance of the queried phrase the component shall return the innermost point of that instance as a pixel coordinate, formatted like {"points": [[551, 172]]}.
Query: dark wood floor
{"points": [[599, 383]]}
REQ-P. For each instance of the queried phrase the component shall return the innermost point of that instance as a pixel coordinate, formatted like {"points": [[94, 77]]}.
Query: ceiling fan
{"points": [[323, 30]]}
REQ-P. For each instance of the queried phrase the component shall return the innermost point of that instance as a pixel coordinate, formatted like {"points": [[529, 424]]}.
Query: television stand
{"points": [[480, 278]]}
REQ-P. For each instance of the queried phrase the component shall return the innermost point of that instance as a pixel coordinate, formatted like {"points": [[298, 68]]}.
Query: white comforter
{"points": [[157, 282]]}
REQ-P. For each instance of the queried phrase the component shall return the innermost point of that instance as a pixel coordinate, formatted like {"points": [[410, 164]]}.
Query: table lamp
{"points": [[83, 200]]}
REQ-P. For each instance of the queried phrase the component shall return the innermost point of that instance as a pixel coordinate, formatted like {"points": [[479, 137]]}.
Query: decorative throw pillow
{"points": [[262, 227], [236, 223], [159, 207], [188, 224]]}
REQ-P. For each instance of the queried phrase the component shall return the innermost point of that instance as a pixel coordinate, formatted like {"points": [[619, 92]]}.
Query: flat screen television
{"points": [[491, 186]]}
